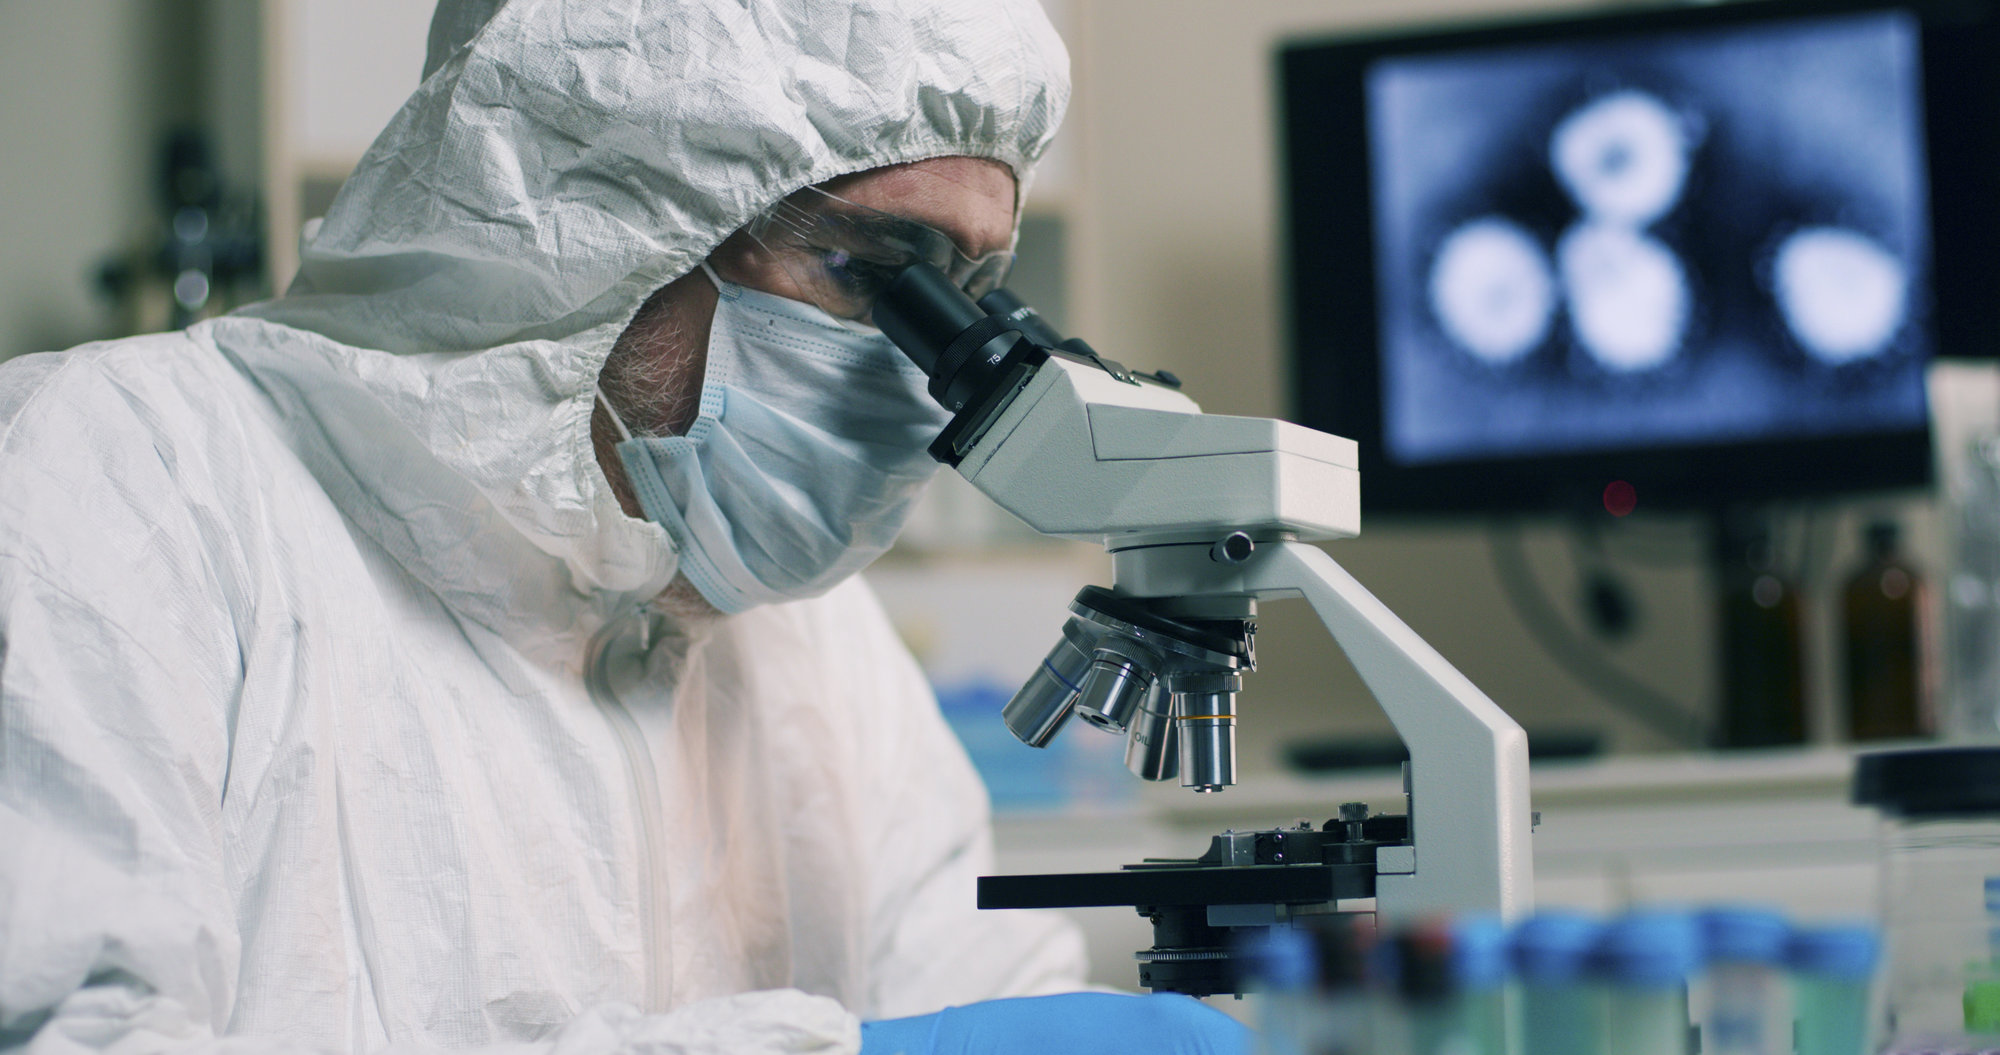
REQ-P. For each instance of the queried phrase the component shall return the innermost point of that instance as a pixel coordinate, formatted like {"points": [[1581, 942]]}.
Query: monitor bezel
{"points": [[1334, 341]]}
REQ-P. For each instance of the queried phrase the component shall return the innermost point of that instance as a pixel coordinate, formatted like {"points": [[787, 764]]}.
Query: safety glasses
{"points": [[841, 255]]}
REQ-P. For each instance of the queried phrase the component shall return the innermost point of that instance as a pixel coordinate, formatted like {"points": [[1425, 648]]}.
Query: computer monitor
{"points": [[1682, 258]]}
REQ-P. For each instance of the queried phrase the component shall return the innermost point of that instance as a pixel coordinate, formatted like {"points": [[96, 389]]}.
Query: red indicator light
{"points": [[1620, 498]]}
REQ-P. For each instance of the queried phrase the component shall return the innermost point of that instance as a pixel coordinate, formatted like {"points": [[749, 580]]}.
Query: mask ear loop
{"points": [[602, 637], [714, 279], [624, 434]]}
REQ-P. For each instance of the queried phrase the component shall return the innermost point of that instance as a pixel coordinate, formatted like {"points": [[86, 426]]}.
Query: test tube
{"points": [[1479, 967], [1749, 1010], [1831, 971], [1645, 959], [1441, 989], [1310, 985], [1283, 967], [1982, 980], [1340, 1023], [1562, 1012]]}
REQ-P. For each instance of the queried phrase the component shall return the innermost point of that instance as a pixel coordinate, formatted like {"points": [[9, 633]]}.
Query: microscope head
{"points": [[1079, 446]]}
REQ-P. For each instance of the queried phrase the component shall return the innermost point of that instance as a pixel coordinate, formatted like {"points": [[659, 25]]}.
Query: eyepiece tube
{"points": [[1038, 711], [923, 312], [1150, 751], [1205, 712], [1021, 316]]}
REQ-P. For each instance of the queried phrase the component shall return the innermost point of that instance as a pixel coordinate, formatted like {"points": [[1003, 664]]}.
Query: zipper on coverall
{"points": [[654, 904]]}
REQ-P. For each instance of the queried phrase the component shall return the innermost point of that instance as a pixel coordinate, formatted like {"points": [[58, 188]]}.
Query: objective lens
{"points": [[1149, 746], [1114, 688], [1205, 712], [1038, 711]]}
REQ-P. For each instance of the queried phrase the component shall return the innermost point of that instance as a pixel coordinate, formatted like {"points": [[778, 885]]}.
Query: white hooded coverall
{"points": [[298, 743]]}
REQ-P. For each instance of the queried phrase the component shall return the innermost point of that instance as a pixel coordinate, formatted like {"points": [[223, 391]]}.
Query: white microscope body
{"points": [[1085, 450]]}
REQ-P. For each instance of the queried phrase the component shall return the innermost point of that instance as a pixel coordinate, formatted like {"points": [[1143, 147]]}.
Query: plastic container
{"points": [[1749, 1006], [1832, 971], [1940, 860], [1562, 1011], [1645, 960]]}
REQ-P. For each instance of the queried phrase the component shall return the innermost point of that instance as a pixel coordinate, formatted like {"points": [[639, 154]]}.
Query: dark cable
{"points": [[1580, 657]]}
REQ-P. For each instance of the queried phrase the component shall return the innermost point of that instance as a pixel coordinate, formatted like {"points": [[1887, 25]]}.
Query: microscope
{"points": [[1205, 516]]}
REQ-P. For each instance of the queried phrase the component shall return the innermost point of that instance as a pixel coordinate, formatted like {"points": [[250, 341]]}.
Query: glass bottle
{"points": [[1940, 894], [1886, 625], [1763, 662]]}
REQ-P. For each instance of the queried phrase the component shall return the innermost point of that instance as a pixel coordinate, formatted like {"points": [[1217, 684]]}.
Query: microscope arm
{"points": [[1470, 817]]}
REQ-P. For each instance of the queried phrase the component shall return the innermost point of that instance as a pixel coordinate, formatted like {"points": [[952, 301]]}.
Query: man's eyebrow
{"points": [[888, 227], [891, 228]]}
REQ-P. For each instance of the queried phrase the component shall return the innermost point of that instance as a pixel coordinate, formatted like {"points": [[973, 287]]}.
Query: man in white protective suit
{"points": [[462, 650]]}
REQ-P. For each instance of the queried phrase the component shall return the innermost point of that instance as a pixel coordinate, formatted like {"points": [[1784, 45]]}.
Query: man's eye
{"points": [[856, 274]]}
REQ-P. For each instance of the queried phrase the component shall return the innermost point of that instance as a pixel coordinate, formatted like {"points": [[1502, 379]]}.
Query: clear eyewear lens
{"points": [[842, 254]]}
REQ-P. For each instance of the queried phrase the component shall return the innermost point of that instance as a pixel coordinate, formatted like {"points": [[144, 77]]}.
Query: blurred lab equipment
{"points": [[1617, 986], [1205, 516], [205, 257], [1762, 641], [1886, 624], [1972, 594], [1940, 894]]}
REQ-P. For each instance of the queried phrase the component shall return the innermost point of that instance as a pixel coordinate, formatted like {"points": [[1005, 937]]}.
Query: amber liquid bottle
{"points": [[1763, 659], [1890, 673]]}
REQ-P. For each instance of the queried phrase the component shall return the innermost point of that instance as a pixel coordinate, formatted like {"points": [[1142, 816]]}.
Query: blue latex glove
{"points": [[1096, 1023]]}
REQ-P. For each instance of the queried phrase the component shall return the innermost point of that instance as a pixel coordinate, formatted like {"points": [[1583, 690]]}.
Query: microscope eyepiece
{"points": [[1021, 315], [962, 347], [922, 311]]}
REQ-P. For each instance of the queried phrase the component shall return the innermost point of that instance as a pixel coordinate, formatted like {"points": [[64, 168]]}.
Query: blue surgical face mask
{"points": [[803, 462]]}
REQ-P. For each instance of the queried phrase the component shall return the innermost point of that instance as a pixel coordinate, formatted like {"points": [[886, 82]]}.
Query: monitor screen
{"points": [[1688, 251]]}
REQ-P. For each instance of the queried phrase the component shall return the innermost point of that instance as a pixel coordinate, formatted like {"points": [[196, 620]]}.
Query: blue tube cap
{"points": [[1649, 949], [1554, 946], [1282, 959], [1479, 952], [1744, 934], [1843, 952]]}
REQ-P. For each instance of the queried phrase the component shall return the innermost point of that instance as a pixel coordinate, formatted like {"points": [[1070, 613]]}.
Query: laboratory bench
{"points": [[1769, 827]]}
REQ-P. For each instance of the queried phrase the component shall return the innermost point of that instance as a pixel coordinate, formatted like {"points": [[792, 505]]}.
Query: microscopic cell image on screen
{"points": [[1697, 237]]}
